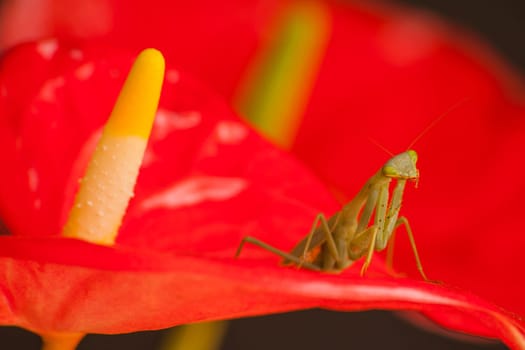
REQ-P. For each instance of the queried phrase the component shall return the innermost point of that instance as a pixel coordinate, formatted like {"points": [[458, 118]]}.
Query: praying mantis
{"points": [[334, 244]]}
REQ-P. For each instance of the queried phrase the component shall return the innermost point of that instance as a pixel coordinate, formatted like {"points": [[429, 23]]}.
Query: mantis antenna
{"points": [[437, 120], [423, 132], [375, 142]]}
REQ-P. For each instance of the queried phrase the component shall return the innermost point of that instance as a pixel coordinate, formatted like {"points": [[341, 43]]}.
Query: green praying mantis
{"points": [[334, 244]]}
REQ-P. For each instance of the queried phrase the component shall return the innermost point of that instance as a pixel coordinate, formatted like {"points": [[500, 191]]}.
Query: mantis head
{"points": [[402, 166]]}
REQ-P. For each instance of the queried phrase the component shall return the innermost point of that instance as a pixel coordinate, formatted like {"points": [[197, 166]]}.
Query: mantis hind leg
{"points": [[390, 252], [272, 249], [328, 261]]}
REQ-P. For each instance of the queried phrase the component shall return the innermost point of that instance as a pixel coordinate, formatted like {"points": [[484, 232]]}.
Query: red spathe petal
{"points": [[178, 289], [207, 181]]}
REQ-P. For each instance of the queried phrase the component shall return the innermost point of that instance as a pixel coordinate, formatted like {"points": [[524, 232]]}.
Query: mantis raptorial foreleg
{"points": [[390, 251], [379, 197], [386, 222], [371, 247]]}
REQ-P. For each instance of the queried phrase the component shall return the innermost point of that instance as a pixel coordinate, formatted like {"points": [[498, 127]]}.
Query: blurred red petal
{"points": [[189, 33]]}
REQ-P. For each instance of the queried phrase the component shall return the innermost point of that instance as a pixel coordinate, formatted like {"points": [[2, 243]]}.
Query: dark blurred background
{"points": [[304, 330], [502, 25]]}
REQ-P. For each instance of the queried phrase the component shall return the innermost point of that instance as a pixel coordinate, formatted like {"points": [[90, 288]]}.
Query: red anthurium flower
{"points": [[207, 181]]}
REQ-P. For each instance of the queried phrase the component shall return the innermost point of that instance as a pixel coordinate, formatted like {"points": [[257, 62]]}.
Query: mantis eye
{"points": [[390, 171], [413, 155]]}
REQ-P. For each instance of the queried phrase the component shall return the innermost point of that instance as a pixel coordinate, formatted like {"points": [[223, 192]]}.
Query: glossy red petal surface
{"points": [[138, 290]]}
